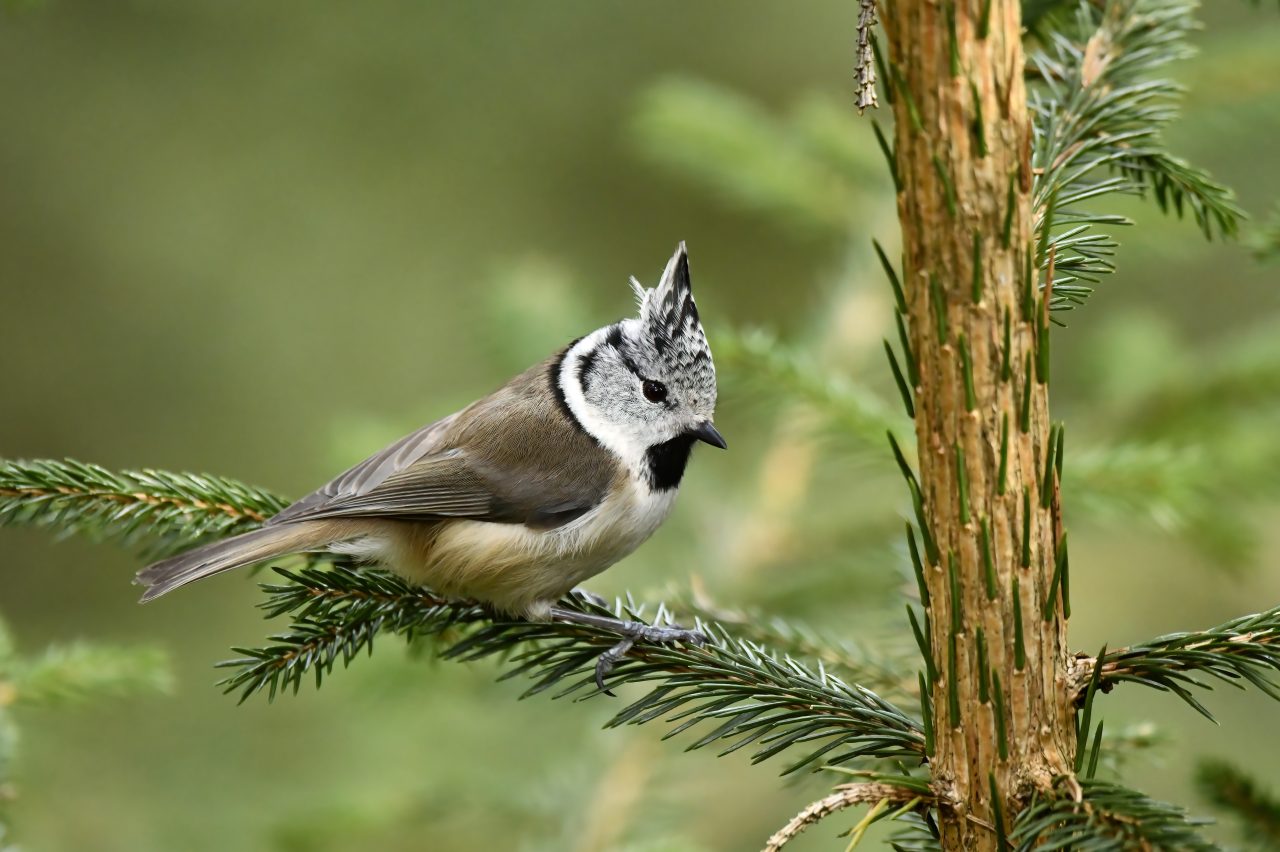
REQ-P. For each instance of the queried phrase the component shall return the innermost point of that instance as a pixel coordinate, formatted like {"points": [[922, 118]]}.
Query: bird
{"points": [[521, 496]]}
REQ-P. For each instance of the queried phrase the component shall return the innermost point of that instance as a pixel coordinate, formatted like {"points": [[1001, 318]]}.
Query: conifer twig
{"points": [[1098, 112], [77, 672], [1265, 240], [865, 67], [1240, 374], [847, 795], [157, 510], [750, 694], [806, 171], [887, 674], [1243, 649], [1091, 814]]}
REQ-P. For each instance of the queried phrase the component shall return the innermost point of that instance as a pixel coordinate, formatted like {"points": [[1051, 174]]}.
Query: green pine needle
{"points": [[1106, 817], [807, 171], [153, 511], [885, 667], [1240, 652], [1098, 107], [748, 693]]}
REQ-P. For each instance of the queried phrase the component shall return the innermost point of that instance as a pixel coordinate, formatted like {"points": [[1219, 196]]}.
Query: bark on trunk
{"points": [[979, 333]]}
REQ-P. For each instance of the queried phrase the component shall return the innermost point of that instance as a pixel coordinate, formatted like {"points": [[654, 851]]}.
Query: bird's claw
{"points": [[605, 664], [643, 633]]}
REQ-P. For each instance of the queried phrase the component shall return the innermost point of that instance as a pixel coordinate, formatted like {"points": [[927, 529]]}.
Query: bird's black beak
{"points": [[706, 432]]}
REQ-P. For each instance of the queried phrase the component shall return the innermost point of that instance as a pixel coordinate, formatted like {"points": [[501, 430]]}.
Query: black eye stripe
{"points": [[614, 339], [586, 366]]}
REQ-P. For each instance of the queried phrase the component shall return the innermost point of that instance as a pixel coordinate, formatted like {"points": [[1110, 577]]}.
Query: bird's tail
{"points": [[246, 549]]}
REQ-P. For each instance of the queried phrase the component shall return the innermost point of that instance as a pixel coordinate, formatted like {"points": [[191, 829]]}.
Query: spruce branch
{"points": [[748, 693], [890, 675], [919, 833], [1036, 12], [912, 791], [154, 510], [75, 673], [1156, 479], [1230, 789], [336, 614], [1164, 482], [1201, 492], [865, 67], [1097, 114], [1199, 452], [1245, 649], [1096, 815]]}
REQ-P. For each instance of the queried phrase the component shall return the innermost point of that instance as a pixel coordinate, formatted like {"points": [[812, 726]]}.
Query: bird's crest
{"points": [[671, 326]]}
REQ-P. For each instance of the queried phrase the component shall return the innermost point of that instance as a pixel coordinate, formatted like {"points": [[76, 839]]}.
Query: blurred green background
{"points": [[265, 239]]}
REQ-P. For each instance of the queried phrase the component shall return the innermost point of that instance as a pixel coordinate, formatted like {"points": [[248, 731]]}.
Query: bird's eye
{"points": [[654, 391]]}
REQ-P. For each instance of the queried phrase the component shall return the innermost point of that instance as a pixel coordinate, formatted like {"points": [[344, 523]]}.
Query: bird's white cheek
{"points": [[610, 428], [656, 432]]}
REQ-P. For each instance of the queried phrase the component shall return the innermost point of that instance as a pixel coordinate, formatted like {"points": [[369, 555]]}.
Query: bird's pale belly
{"points": [[519, 570]]}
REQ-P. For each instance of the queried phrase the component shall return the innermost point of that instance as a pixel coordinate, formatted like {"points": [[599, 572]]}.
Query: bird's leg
{"points": [[636, 630], [632, 632]]}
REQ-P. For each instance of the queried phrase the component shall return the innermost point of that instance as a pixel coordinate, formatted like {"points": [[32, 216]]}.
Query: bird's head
{"points": [[647, 384]]}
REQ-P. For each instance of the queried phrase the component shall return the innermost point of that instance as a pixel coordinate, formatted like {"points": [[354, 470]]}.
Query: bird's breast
{"points": [[523, 570]]}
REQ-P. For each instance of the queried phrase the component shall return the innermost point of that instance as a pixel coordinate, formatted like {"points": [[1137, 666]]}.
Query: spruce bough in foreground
{"points": [[749, 695], [735, 693]]}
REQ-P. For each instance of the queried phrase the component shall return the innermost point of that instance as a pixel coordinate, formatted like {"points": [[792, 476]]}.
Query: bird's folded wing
{"points": [[367, 475], [510, 458], [443, 485], [450, 484]]}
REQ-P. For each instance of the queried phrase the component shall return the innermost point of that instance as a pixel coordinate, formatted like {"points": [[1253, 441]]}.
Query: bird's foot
{"points": [[632, 632], [643, 633]]}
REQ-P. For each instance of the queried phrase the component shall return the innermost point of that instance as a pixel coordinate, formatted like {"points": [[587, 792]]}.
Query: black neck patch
{"points": [[665, 462]]}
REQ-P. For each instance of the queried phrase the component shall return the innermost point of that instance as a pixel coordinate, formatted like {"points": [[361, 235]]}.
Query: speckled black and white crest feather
{"points": [[673, 330]]}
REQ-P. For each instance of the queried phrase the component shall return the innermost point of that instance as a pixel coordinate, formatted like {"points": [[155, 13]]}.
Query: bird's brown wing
{"points": [[368, 474], [512, 457]]}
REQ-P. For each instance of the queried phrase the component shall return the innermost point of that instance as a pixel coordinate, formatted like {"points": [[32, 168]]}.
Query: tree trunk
{"points": [[978, 325]]}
